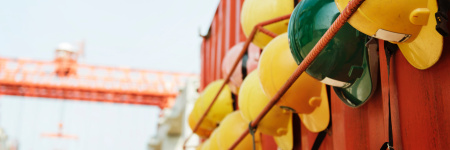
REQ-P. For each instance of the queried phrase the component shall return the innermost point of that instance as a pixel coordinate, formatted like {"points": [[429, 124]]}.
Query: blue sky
{"points": [[147, 34]]}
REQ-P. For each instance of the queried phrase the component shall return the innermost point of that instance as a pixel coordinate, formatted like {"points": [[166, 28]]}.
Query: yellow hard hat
{"points": [[276, 65], [408, 23], [206, 127], [223, 104], [251, 102], [201, 132], [231, 128], [257, 11], [211, 143]]}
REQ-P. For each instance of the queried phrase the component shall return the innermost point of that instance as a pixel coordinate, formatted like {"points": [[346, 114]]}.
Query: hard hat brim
{"points": [[425, 50], [363, 88], [286, 141], [319, 119]]}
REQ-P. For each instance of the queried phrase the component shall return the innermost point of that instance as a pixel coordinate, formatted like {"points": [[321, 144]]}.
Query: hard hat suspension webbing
{"points": [[252, 131], [389, 50], [442, 17], [371, 56]]}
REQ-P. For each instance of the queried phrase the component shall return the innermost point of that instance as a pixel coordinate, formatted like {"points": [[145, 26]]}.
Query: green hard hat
{"points": [[344, 62]]}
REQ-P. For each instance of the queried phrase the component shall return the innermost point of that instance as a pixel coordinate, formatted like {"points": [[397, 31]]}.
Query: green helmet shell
{"points": [[363, 87], [343, 63]]}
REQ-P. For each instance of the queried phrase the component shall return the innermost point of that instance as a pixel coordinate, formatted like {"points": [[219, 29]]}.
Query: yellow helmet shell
{"points": [[223, 105], [251, 102], [231, 128], [206, 127], [408, 23], [425, 50], [201, 132], [389, 20], [257, 11], [214, 143], [276, 65]]}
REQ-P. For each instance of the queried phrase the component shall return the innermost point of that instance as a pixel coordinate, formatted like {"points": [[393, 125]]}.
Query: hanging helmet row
{"points": [[348, 63]]}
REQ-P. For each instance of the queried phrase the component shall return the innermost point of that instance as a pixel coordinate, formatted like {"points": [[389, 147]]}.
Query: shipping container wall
{"points": [[225, 31], [419, 98]]}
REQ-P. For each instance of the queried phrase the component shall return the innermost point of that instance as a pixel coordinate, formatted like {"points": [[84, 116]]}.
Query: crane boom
{"points": [[33, 78]]}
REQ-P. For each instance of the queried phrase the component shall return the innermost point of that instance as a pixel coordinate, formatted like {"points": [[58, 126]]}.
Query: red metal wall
{"points": [[225, 32], [418, 97]]}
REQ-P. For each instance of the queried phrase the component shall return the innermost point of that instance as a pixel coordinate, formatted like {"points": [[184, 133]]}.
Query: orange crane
{"points": [[65, 78]]}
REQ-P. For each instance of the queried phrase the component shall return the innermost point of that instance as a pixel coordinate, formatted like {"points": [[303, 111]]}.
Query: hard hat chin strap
{"points": [[252, 131], [442, 17], [373, 61], [319, 139], [389, 49]]}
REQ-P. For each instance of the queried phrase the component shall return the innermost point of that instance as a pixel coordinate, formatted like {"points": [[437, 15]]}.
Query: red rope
{"points": [[264, 30], [331, 32]]}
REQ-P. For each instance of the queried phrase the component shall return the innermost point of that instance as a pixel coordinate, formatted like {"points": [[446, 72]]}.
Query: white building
{"points": [[173, 128]]}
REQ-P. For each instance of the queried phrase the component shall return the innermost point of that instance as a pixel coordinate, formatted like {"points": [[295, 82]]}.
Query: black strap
{"points": [[252, 131], [234, 98], [244, 65], [295, 2], [296, 131], [389, 50], [319, 139], [442, 17], [321, 136]]}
